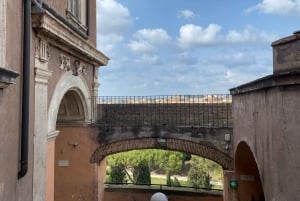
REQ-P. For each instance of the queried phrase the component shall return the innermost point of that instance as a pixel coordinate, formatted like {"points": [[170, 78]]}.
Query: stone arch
{"points": [[66, 83], [247, 173], [204, 150]]}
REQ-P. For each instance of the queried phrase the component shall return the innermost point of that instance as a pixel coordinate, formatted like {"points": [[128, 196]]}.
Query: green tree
{"points": [[169, 163], [141, 174], [117, 174], [135, 163], [198, 176], [139, 164]]}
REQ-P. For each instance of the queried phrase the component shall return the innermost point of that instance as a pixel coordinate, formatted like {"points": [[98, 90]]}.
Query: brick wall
{"points": [[145, 195]]}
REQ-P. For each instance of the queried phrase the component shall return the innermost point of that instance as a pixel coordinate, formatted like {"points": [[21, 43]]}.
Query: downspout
{"points": [[26, 89], [88, 17]]}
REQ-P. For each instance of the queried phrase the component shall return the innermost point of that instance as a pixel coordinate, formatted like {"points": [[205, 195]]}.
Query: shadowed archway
{"points": [[249, 181], [199, 149]]}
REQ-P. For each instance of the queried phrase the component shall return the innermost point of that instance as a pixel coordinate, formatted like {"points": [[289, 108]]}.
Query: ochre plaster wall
{"points": [[50, 170], [78, 179], [268, 121]]}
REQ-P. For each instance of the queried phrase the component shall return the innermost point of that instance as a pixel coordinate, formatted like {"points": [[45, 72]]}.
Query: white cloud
{"points": [[113, 20], [112, 17], [191, 35], [186, 14], [234, 59], [249, 34], [146, 40], [154, 36], [141, 46], [107, 43], [235, 36], [281, 7], [229, 76]]}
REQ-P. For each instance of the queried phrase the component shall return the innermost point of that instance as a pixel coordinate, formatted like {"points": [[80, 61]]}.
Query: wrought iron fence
{"points": [[212, 110]]}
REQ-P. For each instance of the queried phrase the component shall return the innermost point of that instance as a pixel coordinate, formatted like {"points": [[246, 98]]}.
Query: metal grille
{"points": [[213, 111]]}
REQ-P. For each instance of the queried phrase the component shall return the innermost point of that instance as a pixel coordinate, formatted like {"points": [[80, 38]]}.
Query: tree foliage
{"points": [[199, 176], [117, 175], [136, 166], [141, 174]]}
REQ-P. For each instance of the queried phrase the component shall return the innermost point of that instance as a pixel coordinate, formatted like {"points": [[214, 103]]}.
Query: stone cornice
{"points": [[270, 81], [66, 39], [7, 77]]}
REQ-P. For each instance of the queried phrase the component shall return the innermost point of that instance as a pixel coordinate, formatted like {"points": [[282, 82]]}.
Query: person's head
{"points": [[159, 197]]}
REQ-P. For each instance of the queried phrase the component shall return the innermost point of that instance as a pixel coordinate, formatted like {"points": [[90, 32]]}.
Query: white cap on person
{"points": [[159, 197]]}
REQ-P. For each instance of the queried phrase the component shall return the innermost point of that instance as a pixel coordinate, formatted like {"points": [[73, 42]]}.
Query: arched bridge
{"points": [[196, 124]]}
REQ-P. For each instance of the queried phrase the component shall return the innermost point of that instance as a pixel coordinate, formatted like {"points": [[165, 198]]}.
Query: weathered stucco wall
{"points": [[11, 32], [12, 189], [268, 121], [75, 177]]}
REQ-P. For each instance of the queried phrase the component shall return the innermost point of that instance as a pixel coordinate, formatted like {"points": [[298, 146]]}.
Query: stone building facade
{"points": [[266, 129], [48, 75]]}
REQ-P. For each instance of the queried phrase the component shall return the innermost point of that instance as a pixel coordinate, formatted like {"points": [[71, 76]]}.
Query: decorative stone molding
{"points": [[77, 67], [61, 36], [42, 75], [42, 50], [65, 63], [96, 83], [52, 135]]}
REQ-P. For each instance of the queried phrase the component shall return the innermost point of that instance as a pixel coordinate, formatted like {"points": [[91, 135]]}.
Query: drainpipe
{"points": [[26, 89], [88, 17]]}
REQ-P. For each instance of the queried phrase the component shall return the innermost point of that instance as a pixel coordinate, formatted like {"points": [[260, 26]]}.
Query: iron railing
{"points": [[181, 110]]}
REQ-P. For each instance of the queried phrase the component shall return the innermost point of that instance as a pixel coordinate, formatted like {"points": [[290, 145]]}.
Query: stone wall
{"points": [[266, 122], [198, 114]]}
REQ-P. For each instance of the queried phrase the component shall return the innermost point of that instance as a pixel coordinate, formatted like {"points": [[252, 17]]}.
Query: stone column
{"points": [[95, 95], [229, 194], [42, 75]]}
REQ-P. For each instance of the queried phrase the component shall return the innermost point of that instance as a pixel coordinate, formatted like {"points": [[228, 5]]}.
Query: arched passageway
{"points": [[74, 176], [249, 181], [70, 142]]}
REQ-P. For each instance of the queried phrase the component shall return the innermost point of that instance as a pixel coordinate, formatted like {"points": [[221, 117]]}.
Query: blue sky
{"points": [[171, 47]]}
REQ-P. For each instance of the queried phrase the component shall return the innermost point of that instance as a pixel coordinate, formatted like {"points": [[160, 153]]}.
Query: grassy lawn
{"points": [[158, 180]]}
